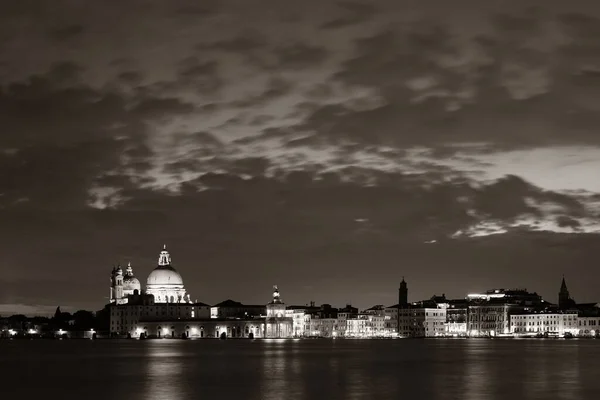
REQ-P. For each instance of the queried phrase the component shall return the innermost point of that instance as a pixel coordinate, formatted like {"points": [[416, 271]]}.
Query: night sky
{"points": [[327, 147]]}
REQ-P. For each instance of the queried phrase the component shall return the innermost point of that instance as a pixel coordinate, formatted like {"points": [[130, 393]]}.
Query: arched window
{"points": [[172, 299]]}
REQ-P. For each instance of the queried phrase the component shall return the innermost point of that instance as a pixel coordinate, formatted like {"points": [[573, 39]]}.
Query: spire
{"points": [[563, 285]]}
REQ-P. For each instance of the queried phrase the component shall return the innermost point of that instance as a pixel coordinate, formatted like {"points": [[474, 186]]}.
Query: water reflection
{"points": [[276, 384], [164, 370], [477, 373], [569, 376], [214, 369]]}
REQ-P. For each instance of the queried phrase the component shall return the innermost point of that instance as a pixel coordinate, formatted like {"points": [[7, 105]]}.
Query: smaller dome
{"points": [[131, 283]]}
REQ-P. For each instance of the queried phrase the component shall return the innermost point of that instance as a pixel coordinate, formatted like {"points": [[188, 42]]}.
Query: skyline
{"points": [[328, 152]]}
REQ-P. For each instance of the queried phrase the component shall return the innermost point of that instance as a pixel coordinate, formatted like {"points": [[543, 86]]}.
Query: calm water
{"points": [[308, 369]]}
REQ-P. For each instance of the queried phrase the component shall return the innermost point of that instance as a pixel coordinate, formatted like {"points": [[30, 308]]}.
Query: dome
{"points": [[164, 276], [131, 283]]}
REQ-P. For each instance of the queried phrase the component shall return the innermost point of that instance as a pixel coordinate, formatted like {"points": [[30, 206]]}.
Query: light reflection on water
{"points": [[307, 369], [164, 370]]}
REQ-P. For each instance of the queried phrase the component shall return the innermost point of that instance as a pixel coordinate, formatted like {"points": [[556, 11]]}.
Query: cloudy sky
{"points": [[327, 147]]}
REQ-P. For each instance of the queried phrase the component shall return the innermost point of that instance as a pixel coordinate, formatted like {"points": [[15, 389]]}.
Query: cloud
{"points": [[300, 55], [67, 32], [355, 13], [78, 135]]}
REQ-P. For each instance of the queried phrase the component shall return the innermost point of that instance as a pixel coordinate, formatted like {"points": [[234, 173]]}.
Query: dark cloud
{"points": [[131, 78], [203, 76], [247, 41], [67, 32], [275, 87], [354, 13], [299, 56], [78, 134]]}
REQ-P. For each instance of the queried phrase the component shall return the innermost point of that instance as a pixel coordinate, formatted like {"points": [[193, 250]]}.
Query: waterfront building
{"points": [[164, 298], [422, 319], [489, 312], [278, 324], [588, 320], [544, 322], [456, 318], [125, 318]]}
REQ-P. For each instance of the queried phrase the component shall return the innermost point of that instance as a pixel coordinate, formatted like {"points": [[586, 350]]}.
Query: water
{"points": [[305, 369]]}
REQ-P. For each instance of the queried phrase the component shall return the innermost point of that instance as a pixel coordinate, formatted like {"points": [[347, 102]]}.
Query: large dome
{"points": [[164, 276]]}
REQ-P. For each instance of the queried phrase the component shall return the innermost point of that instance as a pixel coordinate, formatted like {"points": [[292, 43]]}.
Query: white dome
{"points": [[164, 276]]}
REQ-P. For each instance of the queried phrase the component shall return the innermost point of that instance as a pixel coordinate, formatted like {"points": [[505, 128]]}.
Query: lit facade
{"points": [[199, 329], [421, 321], [544, 323], [588, 326]]}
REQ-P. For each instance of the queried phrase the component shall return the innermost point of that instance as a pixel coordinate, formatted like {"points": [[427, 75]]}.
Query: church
{"points": [[165, 309]]}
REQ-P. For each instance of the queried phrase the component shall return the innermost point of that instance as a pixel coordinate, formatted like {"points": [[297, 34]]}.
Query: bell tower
{"points": [[564, 299], [403, 294], [116, 289]]}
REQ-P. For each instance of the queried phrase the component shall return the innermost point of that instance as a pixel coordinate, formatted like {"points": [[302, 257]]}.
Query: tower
{"points": [[564, 300], [116, 289], [403, 294]]}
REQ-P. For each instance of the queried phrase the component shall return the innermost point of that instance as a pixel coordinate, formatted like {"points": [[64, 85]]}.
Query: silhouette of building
{"points": [[403, 294], [564, 299]]}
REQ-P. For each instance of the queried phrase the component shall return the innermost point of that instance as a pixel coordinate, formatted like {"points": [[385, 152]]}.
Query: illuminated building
{"points": [[423, 319], [456, 318], [165, 283], [278, 324], [550, 323], [489, 312]]}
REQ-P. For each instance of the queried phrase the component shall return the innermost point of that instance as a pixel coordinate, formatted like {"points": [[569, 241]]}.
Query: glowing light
{"points": [[32, 331], [12, 332]]}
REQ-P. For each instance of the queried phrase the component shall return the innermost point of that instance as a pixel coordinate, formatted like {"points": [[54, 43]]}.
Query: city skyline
{"points": [[328, 152], [165, 261]]}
